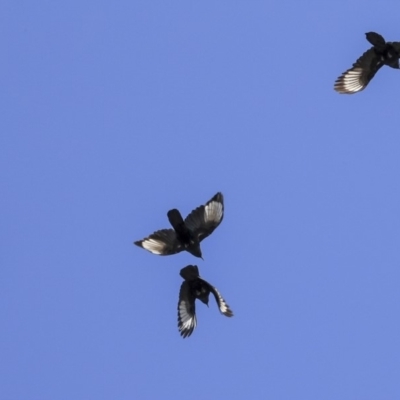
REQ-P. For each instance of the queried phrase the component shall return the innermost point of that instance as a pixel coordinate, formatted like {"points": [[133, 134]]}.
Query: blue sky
{"points": [[113, 113]]}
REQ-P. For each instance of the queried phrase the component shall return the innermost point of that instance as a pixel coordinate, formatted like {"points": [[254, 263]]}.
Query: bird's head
{"points": [[202, 293], [203, 297], [195, 249]]}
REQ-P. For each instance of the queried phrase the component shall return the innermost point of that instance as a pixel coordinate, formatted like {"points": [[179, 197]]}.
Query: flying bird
{"points": [[187, 234], [364, 69], [193, 287]]}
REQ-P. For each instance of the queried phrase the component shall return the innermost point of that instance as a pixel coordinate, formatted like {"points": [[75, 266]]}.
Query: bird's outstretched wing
{"points": [[163, 242], [222, 304], [186, 311], [204, 219], [357, 78]]}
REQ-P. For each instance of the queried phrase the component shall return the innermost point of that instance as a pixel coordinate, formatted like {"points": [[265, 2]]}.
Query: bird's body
{"points": [[364, 69], [187, 233], [184, 235], [194, 287]]}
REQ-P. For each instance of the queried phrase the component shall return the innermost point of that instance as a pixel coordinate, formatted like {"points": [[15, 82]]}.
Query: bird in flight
{"points": [[364, 69], [193, 287], [187, 234]]}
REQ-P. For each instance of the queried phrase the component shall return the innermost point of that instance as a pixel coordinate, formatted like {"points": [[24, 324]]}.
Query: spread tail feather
{"points": [[176, 220], [376, 40]]}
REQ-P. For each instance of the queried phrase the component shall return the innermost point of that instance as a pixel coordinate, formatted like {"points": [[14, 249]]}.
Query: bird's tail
{"points": [[176, 220], [376, 40], [190, 272]]}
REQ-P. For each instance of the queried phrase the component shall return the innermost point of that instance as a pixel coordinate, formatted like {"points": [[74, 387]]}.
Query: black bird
{"points": [[382, 53], [187, 234], [192, 288]]}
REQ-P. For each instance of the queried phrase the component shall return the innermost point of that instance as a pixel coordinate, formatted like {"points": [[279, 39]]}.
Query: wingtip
{"points": [[219, 197], [350, 82], [186, 333]]}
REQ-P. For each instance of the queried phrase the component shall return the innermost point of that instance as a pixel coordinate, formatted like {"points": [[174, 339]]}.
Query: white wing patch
{"points": [[187, 322], [213, 212], [153, 245], [350, 82], [223, 306]]}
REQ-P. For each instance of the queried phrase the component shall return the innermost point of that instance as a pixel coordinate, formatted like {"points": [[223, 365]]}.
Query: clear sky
{"points": [[112, 113]]}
